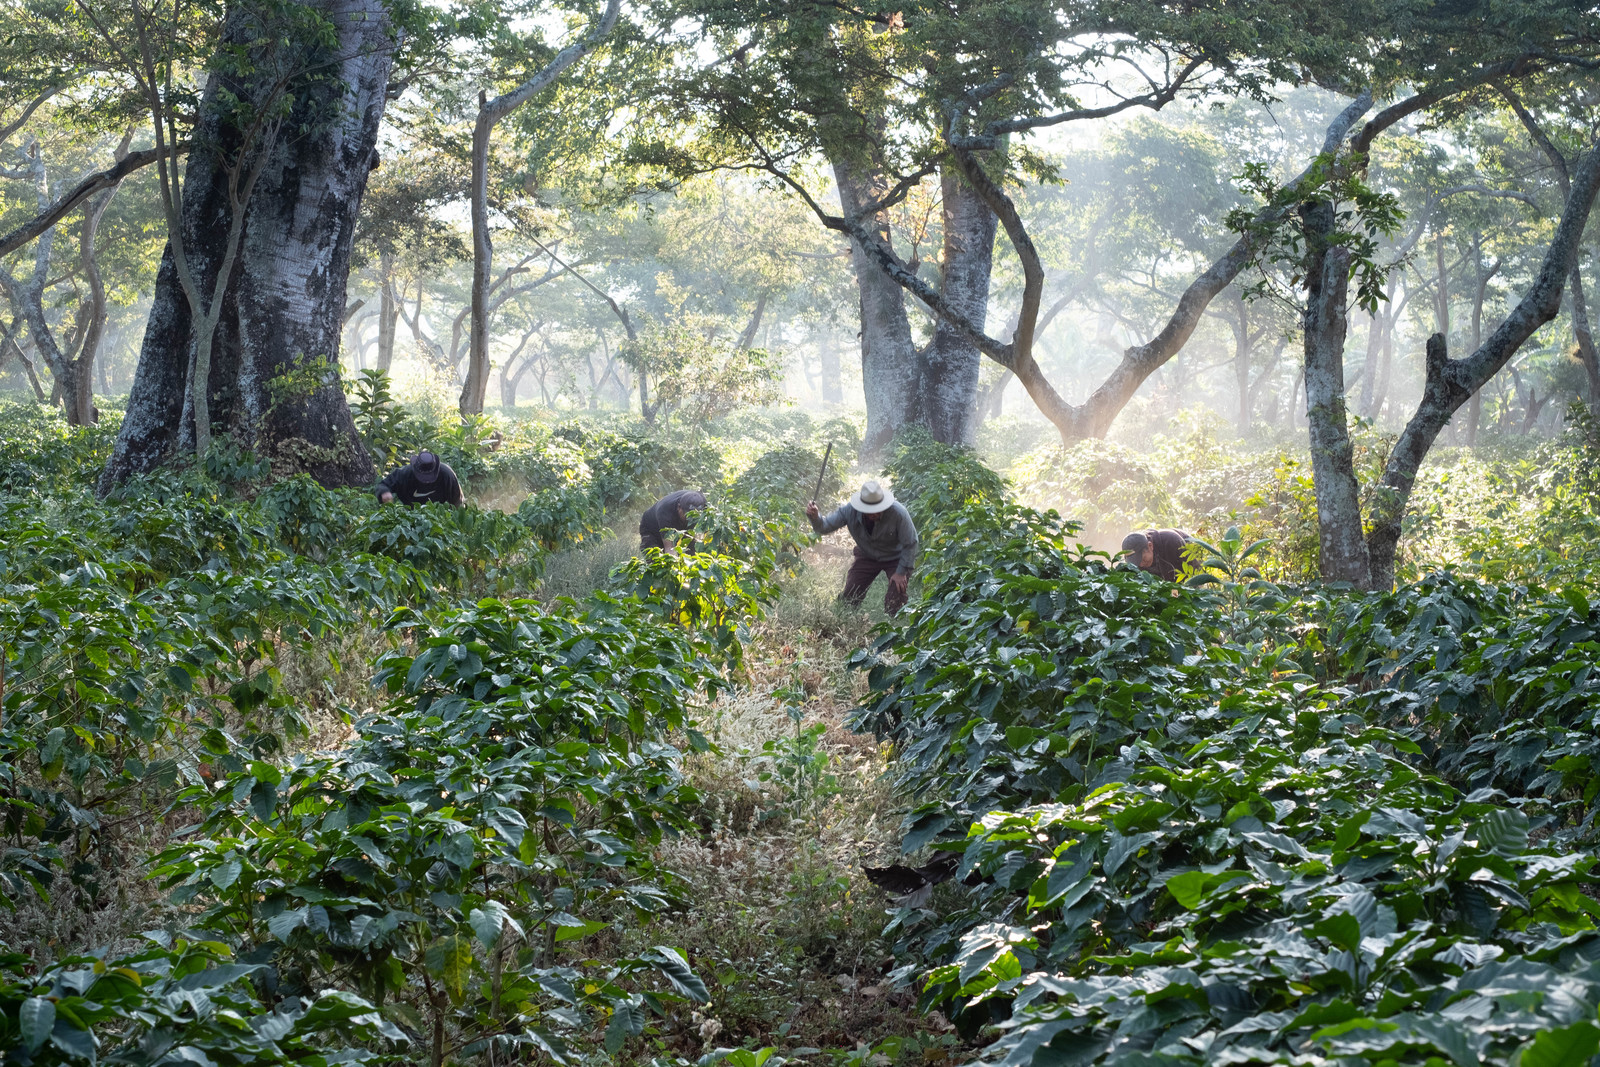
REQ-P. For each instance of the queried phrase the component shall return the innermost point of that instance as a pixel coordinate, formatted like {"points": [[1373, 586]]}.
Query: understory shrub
{"points": [[1230, 821]]}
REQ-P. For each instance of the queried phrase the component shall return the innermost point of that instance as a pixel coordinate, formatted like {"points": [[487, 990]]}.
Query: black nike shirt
{"points": [[409, 489]]}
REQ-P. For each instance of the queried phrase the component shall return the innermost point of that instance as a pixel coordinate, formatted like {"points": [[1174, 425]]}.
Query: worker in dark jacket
{"points": [[671, 512], [425, 480], [1158, 551], [886, 542]]}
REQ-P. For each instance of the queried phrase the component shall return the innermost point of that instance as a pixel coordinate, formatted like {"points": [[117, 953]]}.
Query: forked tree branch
{"points": [[94, 183], [1450, 383]]}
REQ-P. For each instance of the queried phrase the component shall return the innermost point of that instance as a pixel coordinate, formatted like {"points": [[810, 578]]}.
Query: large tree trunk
{"points": [[935, 386], [891, 367], [283, 306], [948, 399], [1343, 550]]}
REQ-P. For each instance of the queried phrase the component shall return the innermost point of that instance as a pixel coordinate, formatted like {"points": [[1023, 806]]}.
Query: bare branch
{"points": [[1540, 138], [992, 132], [27, 112]]}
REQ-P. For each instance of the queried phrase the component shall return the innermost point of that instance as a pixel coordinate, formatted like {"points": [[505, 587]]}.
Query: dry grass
{"points": [[579, 571], [783, 926]]}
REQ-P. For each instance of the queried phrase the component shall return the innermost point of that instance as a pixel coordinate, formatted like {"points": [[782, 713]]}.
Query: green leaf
{"points": [[78, 1043], [264, 800], [1189, 887], [583, 929], [489, 921], [1504, 830], [677, 970], [285, 923], [626, 1018], [1342, 929], [449, 959], [38, 1018], [1569, 1046], [266, 772], [226, 873]]}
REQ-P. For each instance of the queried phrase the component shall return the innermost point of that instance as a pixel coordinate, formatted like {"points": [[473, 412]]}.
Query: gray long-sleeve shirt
{"points": [[893, 535]]}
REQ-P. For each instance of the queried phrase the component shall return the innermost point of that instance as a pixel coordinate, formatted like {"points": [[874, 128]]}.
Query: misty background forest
{"points": [[290, 774]]}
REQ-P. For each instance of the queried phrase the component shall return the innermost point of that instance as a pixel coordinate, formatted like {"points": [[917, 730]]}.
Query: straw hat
{"points": [[872, 498]]}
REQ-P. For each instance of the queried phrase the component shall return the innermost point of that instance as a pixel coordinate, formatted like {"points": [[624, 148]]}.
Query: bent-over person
{"points": [[1158, 551], [886, 542], [425, 480], [671, 512]]}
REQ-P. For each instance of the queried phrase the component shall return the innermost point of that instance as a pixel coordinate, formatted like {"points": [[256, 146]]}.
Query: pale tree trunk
{"points": [[9, 349], [388, 313], [1450, 383], [92, 312], [936, 386], [71, 361], [1342, 549], [1241, 359], [830, 372], [1479, 295], [1581, 331], [948, 385], [753, 327], [1378, 325], [891, 367], [490, 113], [1265, 376], [509, 381], [282, 305]]}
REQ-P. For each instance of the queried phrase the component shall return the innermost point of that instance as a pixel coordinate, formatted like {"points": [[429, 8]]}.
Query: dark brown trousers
{"points": [[863, 572]]}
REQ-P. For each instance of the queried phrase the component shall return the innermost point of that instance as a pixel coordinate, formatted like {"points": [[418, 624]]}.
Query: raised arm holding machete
{"points": [[885, 536]]}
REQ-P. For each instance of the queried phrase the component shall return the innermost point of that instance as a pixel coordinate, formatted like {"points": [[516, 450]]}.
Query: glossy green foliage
{"points": [[938, 480], [450, 860], [718, 577], [183, 1002], [450, 872], [1026, 668], [785, 478], [112, 678], [1287, 888], [1224, 821]]}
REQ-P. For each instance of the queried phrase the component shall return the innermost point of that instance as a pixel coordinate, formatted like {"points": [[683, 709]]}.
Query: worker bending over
{"points": [[886, 542]]}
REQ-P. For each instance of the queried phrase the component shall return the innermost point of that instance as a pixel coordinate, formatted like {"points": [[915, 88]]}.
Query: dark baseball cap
{"points": [[426, 467], [1135, 543]]}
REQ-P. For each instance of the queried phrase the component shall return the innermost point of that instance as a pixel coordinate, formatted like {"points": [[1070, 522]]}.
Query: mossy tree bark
{"points": [[272, 378]]}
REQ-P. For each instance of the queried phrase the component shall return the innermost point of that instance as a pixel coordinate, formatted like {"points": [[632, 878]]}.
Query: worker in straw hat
{"points": [[886, 542]]}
